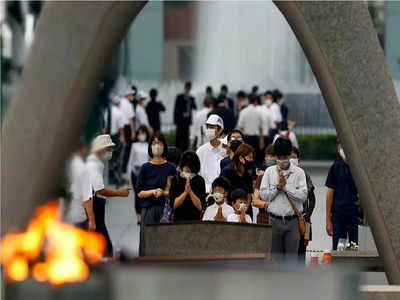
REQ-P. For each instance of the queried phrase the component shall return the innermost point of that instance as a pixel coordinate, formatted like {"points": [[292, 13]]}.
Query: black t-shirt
{"points": [[153, 110], [187, 211], [346, 195], [237, 182], [225, 162]]}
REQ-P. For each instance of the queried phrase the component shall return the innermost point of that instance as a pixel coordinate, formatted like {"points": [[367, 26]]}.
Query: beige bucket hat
{"points": [[102, 142]]}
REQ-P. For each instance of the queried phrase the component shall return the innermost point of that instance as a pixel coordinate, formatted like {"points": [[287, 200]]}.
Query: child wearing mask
{"points": [[219, 210], [138, 156], [240, 201]]}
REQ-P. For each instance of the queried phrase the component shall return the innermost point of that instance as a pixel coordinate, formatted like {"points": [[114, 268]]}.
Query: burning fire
{"points": [[66, 249]]}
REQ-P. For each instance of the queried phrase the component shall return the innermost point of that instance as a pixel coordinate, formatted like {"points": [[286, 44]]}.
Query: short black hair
{"points": [[283, 125], [276, 94], [238, 194], [268, 92], [296, 151], [145, 129], [235, 131], [174, 155], [252, 99], [221, 182], [241, 94], [188, 84], [209, 89], [224, 87], [282, 147], [153, 93], [162, 139], [254, 89], [190, 160]]}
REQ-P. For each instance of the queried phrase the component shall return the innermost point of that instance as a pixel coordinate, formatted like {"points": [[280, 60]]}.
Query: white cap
{"points": [[116, 99], [101, 142], [141, 95], [128, 91], [215, 120], [224, 141]]}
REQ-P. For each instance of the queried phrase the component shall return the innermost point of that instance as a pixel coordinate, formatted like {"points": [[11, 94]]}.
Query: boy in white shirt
{"points": [[240, 203], [220, 210]]}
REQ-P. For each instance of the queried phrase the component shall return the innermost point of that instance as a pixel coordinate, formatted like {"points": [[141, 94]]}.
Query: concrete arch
{"points": [[68, 57]]}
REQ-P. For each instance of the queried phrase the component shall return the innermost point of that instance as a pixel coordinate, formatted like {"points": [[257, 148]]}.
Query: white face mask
{"points": [[218, 197], [210, 133], [142, 137], [294, 161], [268, 102], [341, 152], [157, 149], [188, 175], [107, 156], [242, 206], [283, 164], [223, 152]]}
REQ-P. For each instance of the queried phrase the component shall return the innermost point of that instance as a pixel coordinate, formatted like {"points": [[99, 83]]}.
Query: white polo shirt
{"points": [[95, 169], [209, 163], [250, 119], [126, 111], [141, 117], [235, 218], [276, 113], [80, 189], [117, 121], [267, 120], [212, 210], [292, 138], [199, 119]]}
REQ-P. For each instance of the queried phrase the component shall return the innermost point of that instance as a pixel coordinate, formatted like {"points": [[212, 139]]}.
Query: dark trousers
{"points": [[115, 165], [150, 215], [99, 205], [343, 227], [285, 239], [127, 147], [137, 199], [254, 141], [83, 225], [182, 137]]}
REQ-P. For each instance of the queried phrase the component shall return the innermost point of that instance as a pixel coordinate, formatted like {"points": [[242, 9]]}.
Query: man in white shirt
{"points": [[80, 212], [115, 127], [251, 124], [267, 119], [101, 152], [210, 153], [276, 112], [220, 210], [197, 130], [141, 115], [128, 117], [280, 182], [285, 133]]}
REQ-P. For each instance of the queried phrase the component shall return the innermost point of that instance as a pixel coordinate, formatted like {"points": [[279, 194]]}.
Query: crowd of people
{"points": [[233, 161]]}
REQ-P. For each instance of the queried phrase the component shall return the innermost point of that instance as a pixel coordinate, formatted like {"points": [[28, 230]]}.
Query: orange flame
{"points": [[66, 249]]}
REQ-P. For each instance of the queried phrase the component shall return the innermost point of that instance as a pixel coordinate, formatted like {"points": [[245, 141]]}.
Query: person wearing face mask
{"points": [[235, 139], [242, 172], [153, 184], [267, 118], [188, 189], [240, 202], [276, 111], [270, 157], [101, 152], [285, 133], [217, 208], [210, 153], [308, 208], [279, 183], [138, 156], [342, 212]]}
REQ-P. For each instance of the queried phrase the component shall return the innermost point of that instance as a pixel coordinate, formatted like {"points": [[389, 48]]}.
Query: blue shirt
{"points": [[151, 177], [346, 195]]}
